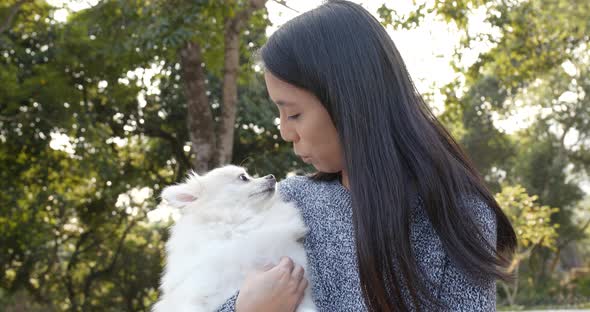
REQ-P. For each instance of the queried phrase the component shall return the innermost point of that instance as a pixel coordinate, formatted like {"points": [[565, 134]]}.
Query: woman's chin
{"points": [[325, 169]]}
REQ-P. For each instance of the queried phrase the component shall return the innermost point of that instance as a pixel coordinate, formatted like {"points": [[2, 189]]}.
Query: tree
{"points": [[73, 238], [532, 223], [537, 60], [206, 33]]}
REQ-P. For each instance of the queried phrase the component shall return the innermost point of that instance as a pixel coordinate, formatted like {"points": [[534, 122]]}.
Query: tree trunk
{"points": [[211, 150], [232, 29], [229, 99], [11, 15], [199, 118]]}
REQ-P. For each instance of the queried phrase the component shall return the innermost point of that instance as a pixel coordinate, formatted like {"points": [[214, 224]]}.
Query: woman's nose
{"points": [[288, 135]]}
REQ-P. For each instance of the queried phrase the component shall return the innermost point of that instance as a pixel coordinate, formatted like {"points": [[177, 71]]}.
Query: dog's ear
{"points": [[178, 195]]}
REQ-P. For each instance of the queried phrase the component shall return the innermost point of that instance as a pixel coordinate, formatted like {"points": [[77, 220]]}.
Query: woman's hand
{"points": [[277, 288]]}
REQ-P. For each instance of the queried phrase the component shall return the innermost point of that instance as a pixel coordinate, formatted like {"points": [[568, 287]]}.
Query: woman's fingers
{"points": [[287, 262], [285, 267], [301, 290], [297, 273], [291, 275], [303, 285]]}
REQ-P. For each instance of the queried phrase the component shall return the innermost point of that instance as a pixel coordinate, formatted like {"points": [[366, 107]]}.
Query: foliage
{"points": [[93, 125], [533, 226]]}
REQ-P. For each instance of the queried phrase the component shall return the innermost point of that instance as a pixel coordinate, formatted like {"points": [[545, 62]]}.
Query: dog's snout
{"points": [[270, 177]]}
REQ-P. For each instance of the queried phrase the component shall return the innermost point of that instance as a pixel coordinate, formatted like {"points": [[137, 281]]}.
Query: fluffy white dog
{"points": [[230, 224]]}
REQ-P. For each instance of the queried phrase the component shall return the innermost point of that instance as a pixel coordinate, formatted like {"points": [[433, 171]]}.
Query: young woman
{"points": [[399, 218]]}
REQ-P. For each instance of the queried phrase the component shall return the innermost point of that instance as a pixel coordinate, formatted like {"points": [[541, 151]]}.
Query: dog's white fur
{"points": [[227, 228]]}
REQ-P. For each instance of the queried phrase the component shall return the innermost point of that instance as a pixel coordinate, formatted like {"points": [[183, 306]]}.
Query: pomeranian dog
{"points": [[230, 223]]}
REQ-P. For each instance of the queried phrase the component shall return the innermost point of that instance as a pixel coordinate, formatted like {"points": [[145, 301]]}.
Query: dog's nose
{"points": [[270, 177]]}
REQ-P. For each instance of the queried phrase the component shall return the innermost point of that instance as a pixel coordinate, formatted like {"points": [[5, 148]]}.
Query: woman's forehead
{"points": [[285, 95]]}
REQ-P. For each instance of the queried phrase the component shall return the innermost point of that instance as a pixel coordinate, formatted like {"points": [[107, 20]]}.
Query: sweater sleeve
{"points": [[461, 291], [288, 188], [230, 304]]}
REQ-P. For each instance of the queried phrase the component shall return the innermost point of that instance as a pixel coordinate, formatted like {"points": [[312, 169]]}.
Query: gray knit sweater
{"points": [[333, 273]]}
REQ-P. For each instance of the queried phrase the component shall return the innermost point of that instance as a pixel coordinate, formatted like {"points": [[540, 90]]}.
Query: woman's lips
{"points": [[306, 159]]}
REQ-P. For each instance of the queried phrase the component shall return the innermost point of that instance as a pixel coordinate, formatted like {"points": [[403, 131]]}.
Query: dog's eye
{"points": [[244, 178]]}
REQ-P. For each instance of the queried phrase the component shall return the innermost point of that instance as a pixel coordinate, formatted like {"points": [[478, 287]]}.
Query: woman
{"points": [[399, 218]]}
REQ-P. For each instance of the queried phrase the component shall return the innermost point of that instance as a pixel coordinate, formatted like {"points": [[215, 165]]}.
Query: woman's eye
{"points": [[294, 116], [244, 178]]}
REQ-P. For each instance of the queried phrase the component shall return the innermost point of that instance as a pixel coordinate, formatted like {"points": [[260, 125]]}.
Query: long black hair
{"points": [[394, 149]]}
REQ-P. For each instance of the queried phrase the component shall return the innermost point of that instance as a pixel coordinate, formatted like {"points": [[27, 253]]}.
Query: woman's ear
{"points": [[178, 195]]}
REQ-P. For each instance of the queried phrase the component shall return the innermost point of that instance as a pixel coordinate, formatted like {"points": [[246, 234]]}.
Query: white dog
{"points": [[230, 224]]}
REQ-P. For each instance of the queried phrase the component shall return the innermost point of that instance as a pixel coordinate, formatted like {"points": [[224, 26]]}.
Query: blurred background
{"points": [[104, 103]]}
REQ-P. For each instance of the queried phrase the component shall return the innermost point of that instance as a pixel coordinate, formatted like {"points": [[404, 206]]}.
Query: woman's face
{"points": [[305, 122]]}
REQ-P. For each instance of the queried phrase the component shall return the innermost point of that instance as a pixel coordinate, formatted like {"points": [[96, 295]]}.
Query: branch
{"points": [[284, 3], [11, 118], [11, 14], [234, 24], [565, 131], [67, 279], [99, 273], [177, 147], [574, 235]]}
